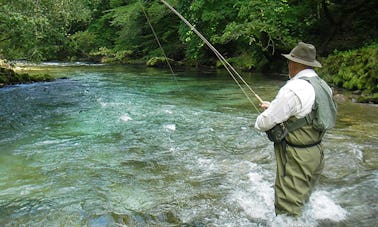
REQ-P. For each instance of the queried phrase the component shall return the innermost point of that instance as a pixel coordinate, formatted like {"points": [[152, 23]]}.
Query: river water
{"points": [[133, 146]]}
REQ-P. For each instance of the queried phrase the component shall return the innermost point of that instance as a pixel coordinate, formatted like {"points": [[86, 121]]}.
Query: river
{"points": [[135, 146]]}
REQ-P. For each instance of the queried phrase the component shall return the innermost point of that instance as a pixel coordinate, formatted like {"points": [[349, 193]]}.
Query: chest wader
{"points": [[299, 153], [300, 162]]}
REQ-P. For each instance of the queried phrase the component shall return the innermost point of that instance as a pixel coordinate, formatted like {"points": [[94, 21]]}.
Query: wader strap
{"points": [[299, 123], [303, 145], [284, 146]]}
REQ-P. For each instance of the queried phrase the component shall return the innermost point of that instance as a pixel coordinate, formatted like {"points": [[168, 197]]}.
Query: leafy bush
{"points": [[82, 43], [353, 69], [112, 56]]}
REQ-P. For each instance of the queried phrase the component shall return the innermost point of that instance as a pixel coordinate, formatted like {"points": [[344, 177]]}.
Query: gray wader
{"points": [[300, 161]]}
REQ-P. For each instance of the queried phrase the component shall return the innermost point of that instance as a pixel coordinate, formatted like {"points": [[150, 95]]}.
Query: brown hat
{"points": [[305, 54]]}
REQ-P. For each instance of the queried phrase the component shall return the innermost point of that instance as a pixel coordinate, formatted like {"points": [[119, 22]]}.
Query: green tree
{"points": [[40, 30], [210, 18], [250, 33], [345, 25], [127, 30]]}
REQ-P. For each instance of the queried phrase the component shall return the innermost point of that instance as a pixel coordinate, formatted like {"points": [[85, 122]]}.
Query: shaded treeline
{"points": [[253, 31], [250, 34]]}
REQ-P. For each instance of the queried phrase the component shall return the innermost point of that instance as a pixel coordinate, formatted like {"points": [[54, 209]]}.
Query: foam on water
{"points": [[255, 196], [170, 127], [125, 118], [319, 208]]}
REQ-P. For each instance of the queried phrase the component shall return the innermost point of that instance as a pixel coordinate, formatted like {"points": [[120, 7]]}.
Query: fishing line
{"points": [[158, 42], [225, 63], [234, 74], [240, 86]]}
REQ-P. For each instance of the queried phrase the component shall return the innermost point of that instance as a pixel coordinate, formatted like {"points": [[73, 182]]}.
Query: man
{"points": [[296, 121]]}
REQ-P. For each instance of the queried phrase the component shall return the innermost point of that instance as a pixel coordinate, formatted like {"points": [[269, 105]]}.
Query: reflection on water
{"points": [[130, 146]]}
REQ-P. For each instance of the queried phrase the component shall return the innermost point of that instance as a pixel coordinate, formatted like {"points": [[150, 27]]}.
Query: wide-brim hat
{"points": [[303, 53]]}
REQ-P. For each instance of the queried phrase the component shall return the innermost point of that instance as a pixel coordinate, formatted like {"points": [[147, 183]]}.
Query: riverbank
{"points": [[341, 95], [9, 76]]}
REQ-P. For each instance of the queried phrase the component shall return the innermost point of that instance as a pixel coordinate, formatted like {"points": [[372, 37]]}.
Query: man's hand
{"points": [[265, 105]]}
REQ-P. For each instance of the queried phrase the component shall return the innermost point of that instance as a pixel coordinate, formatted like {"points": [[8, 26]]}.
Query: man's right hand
{"points": [[265, 105]]}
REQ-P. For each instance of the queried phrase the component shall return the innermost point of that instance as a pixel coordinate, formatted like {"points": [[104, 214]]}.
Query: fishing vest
{"points": [[322, 117]]}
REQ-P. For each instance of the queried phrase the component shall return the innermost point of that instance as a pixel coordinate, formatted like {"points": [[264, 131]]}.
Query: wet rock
{"points": [[357, 92], [340, 98]]}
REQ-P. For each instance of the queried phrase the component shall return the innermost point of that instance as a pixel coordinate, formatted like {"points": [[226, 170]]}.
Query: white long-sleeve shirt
{"points": [[295, 98]]}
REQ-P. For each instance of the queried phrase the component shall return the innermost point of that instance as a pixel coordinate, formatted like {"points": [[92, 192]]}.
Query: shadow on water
{"points": [[128, 146]]}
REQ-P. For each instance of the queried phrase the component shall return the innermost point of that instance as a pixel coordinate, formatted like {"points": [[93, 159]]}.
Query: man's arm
{"points": [[279, 110]]}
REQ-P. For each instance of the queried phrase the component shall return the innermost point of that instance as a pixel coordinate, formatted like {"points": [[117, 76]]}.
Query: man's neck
{"points": [[298, 69]]}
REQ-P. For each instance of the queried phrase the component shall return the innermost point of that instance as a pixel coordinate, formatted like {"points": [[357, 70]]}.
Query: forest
{"points": [[251, 34]]}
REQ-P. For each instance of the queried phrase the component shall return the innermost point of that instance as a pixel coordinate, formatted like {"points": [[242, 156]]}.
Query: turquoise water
{"points": [[123, 145]]}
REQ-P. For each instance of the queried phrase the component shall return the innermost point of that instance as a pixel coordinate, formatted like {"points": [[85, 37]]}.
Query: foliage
{"points": [[38, 30], [210, 18], [344, 25], [245, 61], [353, 69], [251, 34], [111, 56], [59, 29], [260, 28], [260, 24], [158, 62], [124, 29], [82, 43]]}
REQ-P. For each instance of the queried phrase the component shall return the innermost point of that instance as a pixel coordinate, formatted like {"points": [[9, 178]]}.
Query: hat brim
{"points": [[314, 63]]}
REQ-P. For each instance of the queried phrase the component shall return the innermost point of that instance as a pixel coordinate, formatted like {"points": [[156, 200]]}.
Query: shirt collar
{"points": [[305, 73]]}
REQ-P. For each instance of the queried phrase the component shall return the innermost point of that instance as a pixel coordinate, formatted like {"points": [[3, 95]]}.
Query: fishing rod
{"points": [[225, 63]]}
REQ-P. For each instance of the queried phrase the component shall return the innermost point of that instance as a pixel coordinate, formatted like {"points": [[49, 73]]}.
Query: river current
{"points": [[134, 146]]}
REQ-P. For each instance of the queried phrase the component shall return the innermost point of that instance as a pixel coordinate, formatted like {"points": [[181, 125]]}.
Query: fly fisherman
{"points": [[296, 121]]}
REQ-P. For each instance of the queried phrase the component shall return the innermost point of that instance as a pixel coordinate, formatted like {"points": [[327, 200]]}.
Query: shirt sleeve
{"points": [[285, 105], [294, 99]]}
